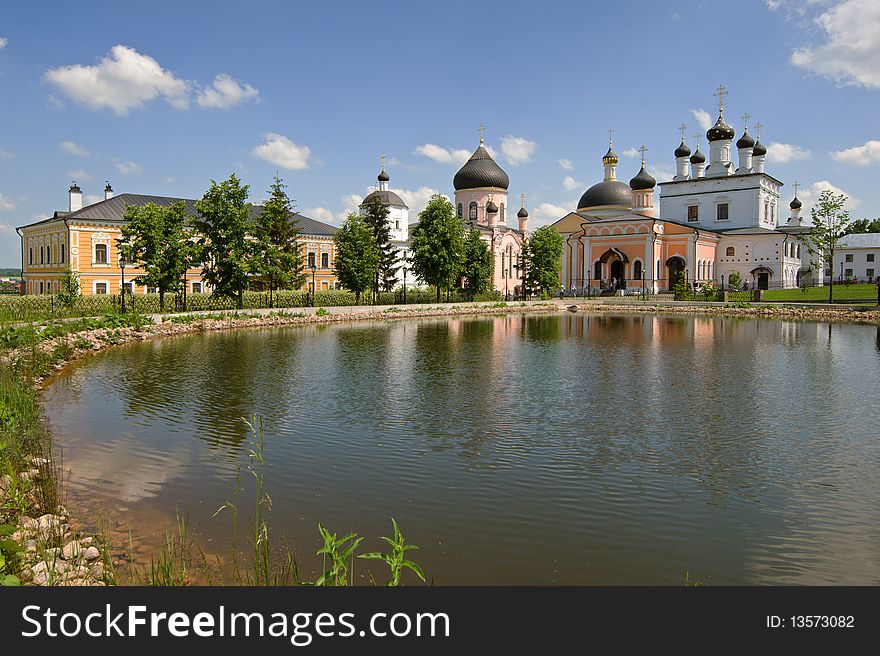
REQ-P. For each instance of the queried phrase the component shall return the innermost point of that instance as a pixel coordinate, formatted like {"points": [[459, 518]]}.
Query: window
{"points": [[799, 250], [847, 273], [101, 256], [101, 287], [869, 273], [325, 285], [30, 256], [501, 213], [721, 212], [472, 211], [48, 254], [597, 270], [197, 288], [849, 257], [42, 255], [637, 270], [730, 252], [693, 213], [397, 225], [127, 288], [62, 253], [325, 260], [41, 286], [460, 211], [311, 260], [870, 257]]}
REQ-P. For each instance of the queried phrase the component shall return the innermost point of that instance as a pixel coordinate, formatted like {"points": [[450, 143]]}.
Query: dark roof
{"points": [[642, 180], [698, 157], [721, 130], [387, 198], [480, 171], [606, 193], [75, 187], [491, 207], [383, 177], [112, 210], [745, 141], [523, 213], [682, 150], [759, 149], [796, 203]]}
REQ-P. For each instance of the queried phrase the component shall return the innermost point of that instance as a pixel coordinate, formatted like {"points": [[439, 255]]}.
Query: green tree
{"points": [[734, 281], [224, 225], [70, 287], [155, 238], [830, 224], [544, 260], [376, 216], [277, 258], [437, 245], [356, 255], [478, 264], [861, 226]]}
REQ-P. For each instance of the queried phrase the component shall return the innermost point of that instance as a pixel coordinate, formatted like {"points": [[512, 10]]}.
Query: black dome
{"points": [[795, 204], [480, 171], [720, 130], [642, 181], [386, 197], [491, 207], [759, 149], [682, 150], [383, 177], [745, 141], [698, 157], [75, 188], [523, 213], [606, 193]]}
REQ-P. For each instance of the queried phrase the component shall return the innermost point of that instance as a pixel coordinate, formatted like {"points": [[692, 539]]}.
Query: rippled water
{"points": [[567, 449]]}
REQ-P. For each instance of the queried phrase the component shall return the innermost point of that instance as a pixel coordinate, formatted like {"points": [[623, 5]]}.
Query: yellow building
{"points": [[84, 239]]}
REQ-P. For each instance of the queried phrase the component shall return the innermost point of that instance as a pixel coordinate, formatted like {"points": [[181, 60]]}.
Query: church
{"points": [[712, 221]]}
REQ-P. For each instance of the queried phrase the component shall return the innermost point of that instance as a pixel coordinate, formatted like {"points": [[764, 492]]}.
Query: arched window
{"points": [[101, 254], [730, 252], [799, 250], [460, 215], [472, 211], [597, 270], [637, 270], [501, 213]]}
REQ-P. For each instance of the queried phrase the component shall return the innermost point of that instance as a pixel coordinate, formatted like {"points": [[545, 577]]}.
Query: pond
{"points": [[520, 449]]}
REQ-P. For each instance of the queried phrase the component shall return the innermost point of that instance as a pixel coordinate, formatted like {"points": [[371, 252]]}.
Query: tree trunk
{"points": [[240, 302], [161, 300], [438, 293]]}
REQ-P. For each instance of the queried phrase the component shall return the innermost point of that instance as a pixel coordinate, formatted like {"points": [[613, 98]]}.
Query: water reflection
{"points": [[731, 448]]}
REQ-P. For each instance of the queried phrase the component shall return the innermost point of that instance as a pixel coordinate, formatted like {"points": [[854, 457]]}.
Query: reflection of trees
{"points": [[542, 328]]}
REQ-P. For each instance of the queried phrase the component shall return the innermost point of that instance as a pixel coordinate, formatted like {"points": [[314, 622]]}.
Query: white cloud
{"points": [[443, 155], [81, 175], [517, 150], [417, 199], [809, 195], [320, 214], [660, 173], [851, 51], [128, 168], [783, 153], [3, 42], [570, 183], [169, 179], [225, 92], [6, 229], [6, 204], [546, 213], [869, 153], [72, 148], [91, 199], [122, 81], [5, 154], [281, 151], [566, 164], [703, 118], [630, 152]]}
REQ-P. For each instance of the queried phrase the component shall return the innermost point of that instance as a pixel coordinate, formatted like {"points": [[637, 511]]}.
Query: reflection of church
{"points": [[713, 221]]}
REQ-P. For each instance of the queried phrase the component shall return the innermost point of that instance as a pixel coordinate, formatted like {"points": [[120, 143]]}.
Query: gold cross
{"points": [[643, 150], [481, 129], [682, 127], [720, 92]]}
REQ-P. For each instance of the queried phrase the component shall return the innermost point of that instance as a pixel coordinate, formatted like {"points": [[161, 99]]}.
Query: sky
{"points": [[162, 97]]}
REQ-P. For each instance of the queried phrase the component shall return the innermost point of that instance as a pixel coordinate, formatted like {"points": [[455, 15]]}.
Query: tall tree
{"points": [[278, 260], [478, 264], [224, 226], [156, 239], [544, 260], [437, 244], [861, 226], [830, 224], [376, 216], [356, 255]]}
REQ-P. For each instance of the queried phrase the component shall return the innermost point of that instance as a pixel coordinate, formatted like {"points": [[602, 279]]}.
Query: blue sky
{"points": [[161, 97]]}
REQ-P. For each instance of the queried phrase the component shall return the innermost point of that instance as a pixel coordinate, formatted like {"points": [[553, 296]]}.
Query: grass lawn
{"points": [[818, 294]]}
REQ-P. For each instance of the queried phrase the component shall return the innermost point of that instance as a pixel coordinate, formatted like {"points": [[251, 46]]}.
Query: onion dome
{"points": [[491, 207], [759, 150], [720, 131], [610, 158], [523, 213], [642, 181], [698, 157], [480, 171], [795, 204], [383, 177], [609, 192], [74, 187], [682, 150], [745, 141], [385, 197]]}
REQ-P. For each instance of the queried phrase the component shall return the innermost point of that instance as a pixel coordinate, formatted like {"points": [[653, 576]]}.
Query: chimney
{"points": [[108, 192], [75, 198]]}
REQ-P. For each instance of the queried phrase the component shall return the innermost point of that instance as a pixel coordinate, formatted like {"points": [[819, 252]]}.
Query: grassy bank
{"points": [[842, 292]]}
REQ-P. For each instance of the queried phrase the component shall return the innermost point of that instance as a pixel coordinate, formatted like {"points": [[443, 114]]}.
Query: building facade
{"points": [[858, 258]]}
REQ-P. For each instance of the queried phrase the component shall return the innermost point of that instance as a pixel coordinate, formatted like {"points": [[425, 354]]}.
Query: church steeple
{"points": [[383, 177], [610, 159]]}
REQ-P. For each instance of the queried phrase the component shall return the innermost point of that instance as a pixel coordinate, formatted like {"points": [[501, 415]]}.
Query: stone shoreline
{"points": [[76, 560]]}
